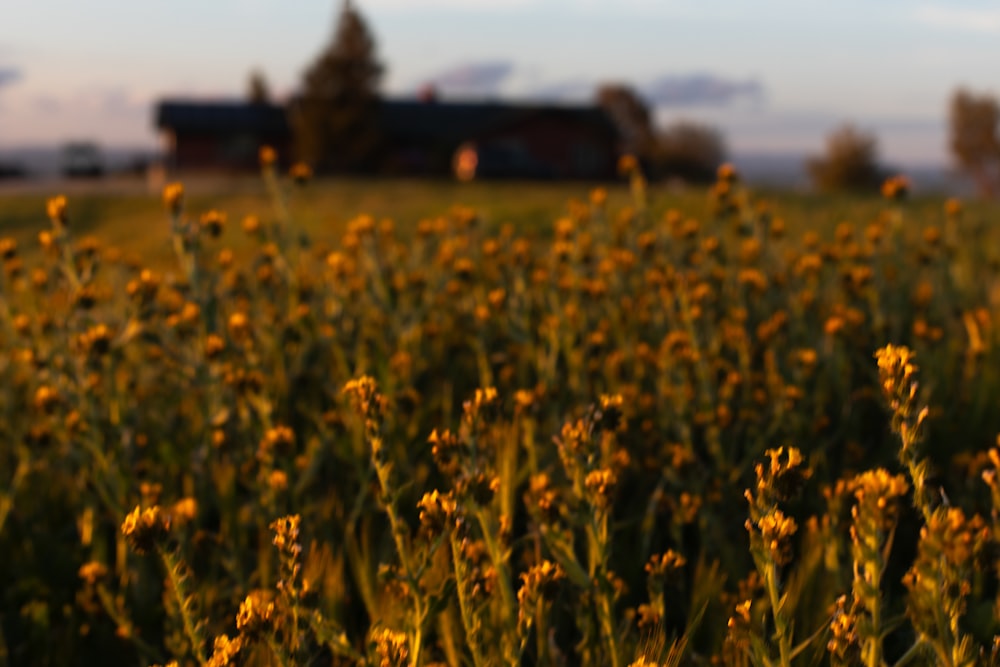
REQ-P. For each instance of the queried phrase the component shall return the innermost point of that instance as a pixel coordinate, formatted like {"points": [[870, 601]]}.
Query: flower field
{"points": [[645, 435]]}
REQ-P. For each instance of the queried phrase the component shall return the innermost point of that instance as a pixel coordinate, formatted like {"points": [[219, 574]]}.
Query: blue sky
{"points": [[773, 75]]}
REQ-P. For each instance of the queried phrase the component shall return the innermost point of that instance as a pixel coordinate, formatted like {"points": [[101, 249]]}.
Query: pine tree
{"points": [[335, 118], [258, 90]]}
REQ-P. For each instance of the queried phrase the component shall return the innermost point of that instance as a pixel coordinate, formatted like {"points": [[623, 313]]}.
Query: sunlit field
{"points": [[283, 421]]}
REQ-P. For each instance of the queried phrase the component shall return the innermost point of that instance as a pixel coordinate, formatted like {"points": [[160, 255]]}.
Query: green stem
{"points": [[468, 622], [912, 653], [780, 623], [175, 584]]}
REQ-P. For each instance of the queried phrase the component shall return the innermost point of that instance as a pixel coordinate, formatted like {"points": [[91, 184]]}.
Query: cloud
{"points": [[664, 92], [967, 19], [673, 90], [9, 75], [482, 78], [572, 90]]}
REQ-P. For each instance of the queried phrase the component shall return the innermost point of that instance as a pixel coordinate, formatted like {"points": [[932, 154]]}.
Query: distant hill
{"points": [[44, 162], [778, 170], [788, 170]]}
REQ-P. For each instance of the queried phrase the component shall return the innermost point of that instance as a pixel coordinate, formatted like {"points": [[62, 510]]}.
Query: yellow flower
{"points": [[56, 208], [93, 571], [144, 529], [301, 173], [173, 196], [255, 615], [213, 222], [185, 509], [436, 511], [277, 480], [727, 173], [225, 651], [267, 156]]}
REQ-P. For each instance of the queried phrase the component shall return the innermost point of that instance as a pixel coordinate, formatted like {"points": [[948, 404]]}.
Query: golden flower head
{"points": [[46, 398], [784, 476], [213, 222], [251, 224], [726, 173], [301, 173], [776, 531], [896, 187], [286, 534], [184, 510], [600, 485], [267, 156], [627, 165], [92, 572], [392, 647], [225, 651], [239, 324], [56, 209], [255, 615], [145, 529], [173, 197], [8, 248], [610, 416], [953, 207], [364, 394], [539, 583], [277, 480], [436, 511], [844, 642]]}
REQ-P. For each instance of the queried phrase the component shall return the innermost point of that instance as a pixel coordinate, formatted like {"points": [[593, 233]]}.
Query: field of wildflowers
{"points": [[649, 437]]}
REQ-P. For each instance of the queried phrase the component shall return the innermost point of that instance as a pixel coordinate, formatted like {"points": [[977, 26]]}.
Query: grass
{"points": [[136, 223], [635, 426]]}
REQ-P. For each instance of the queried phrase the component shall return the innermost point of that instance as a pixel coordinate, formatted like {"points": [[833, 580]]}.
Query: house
{"points": [[499, 140], [423, 137], [219, 136]]}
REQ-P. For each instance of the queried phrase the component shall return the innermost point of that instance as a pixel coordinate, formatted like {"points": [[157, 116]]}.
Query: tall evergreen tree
{"points": [[335, 118], [258, 90]]}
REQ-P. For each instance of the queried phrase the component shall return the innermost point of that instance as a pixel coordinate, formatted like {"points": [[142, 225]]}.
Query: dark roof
{"points": [[419, 120], [221, 117], [404, 120]]}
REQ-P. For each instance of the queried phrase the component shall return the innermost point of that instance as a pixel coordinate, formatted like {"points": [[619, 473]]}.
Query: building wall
{"points": [[236, 153], [566, 147]]}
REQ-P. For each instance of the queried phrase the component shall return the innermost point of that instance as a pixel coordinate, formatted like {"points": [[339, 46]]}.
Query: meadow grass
{"points": [[399, 423]]}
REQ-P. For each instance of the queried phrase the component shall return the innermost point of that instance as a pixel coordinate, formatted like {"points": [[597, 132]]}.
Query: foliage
{"points": [[683, 150], [645, 436], [334, 118], [689, 151], [850, 162], [974, 138], [632, 118]]}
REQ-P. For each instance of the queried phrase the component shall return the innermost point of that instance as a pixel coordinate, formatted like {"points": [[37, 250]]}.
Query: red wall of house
{"points": [[224, 153], [557, 142]]}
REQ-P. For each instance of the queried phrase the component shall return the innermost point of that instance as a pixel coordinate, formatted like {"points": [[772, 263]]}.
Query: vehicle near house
{"points": [[82, 159]]}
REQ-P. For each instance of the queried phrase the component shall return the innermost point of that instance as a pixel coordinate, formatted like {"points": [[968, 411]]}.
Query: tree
{"points": [[689, 151], [850, 162], [973, 125], [335, 118], [631, 116], [258, 91]]}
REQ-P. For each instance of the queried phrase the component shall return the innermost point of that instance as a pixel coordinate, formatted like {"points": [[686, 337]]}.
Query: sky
{"points": [[774, 76]]}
